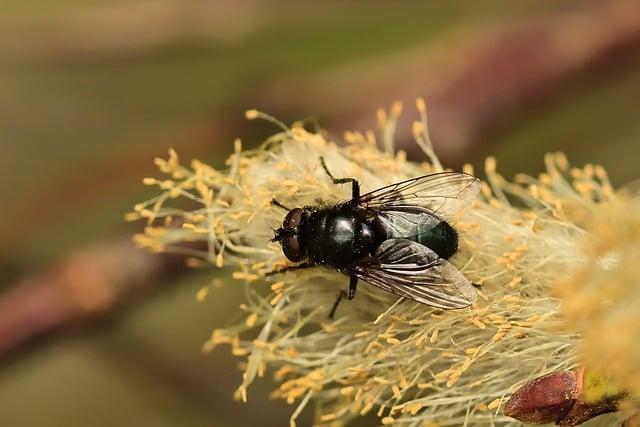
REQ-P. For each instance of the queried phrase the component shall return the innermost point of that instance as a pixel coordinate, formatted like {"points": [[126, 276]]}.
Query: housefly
{"points": [[397, 238]]}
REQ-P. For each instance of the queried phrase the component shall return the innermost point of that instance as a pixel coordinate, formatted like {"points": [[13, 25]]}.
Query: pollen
{"points": [[251, 114], [494, 404], [393, 341], [276, 299], [202, 294], [241, 275], [511, 299], [251, 320], [387, 421], [546, 250], [278, 286], [478, 323]]}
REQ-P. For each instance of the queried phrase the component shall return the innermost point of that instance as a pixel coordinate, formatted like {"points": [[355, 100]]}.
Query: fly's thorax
{"points": [[337, 236]]}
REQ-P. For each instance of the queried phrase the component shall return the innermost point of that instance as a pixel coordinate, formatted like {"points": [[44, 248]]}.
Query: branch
{"points": [[89, 284]]}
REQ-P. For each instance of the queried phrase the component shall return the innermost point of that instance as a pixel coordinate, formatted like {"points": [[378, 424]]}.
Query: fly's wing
{"points": [[422, 201], [443, 194], [411, 270], [406, 224]]}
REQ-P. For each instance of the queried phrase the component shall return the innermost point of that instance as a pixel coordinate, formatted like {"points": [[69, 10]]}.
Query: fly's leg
{"points": [[353, 285], [341, 295], [355, 185], [289, 268], [280, 205]]}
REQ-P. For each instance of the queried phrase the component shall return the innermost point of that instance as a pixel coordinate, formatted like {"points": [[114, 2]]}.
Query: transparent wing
{"points": [[438, 195], [411, 270], [408, 225]]}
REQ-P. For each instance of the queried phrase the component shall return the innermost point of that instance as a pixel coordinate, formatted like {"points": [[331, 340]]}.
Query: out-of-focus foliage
{"points": [[602, 301]]}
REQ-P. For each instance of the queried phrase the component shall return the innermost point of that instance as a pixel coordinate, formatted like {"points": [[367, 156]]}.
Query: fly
{"points": [[397, 238]]}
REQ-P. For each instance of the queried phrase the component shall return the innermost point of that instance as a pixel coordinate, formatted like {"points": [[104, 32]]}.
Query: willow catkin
{"points": [[405, 362]]}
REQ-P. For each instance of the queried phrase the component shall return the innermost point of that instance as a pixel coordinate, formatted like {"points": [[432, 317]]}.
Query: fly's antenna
{"points": [[281, 233], [280, 205], [277, 235]]}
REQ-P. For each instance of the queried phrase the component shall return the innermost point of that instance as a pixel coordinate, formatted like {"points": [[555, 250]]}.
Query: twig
{"points": [[90, 283]]}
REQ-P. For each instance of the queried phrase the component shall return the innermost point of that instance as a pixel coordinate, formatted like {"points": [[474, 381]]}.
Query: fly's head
{"points": [[289, 235]]}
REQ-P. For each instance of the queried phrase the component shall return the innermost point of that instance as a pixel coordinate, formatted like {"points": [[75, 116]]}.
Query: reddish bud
{"points": [[546, 399], [558, 398]]}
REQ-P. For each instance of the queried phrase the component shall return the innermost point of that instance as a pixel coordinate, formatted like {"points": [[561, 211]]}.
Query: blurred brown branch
{"points": [[90, 283], [108, 29]]}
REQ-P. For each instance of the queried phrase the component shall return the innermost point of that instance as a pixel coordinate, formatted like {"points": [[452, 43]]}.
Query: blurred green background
{"points": [[92, 91]]}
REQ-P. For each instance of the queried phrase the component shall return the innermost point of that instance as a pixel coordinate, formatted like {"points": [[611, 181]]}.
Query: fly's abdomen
{"points": [[440, 238], [423, 228]]}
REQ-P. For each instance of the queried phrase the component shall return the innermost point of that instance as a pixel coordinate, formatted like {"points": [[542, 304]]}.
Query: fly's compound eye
{"points": [[290, 243], [293, 218], [291, 248]]}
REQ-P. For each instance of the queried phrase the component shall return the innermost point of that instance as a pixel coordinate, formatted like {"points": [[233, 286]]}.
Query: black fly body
{"points": [[396, 238]]}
